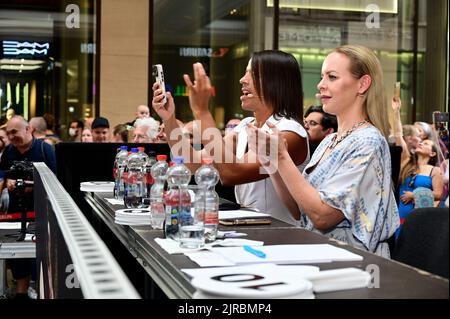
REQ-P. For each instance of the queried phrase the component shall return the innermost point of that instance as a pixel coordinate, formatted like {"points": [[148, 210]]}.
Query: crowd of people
{"points": [[331, 175]]}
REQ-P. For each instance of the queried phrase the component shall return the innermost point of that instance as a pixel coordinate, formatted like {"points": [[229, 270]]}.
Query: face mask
{"points": [[72, 132]]}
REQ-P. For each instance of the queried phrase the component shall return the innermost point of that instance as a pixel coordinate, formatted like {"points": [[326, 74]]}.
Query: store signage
{"points": [[203, 52], [88, 48], [15, 48]]}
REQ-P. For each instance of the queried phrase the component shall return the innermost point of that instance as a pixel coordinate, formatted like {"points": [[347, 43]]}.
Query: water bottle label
{"points": [[157, 208], [173, 212], [211, 217]]}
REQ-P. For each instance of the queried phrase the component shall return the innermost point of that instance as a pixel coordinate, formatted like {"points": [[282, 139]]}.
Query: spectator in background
{"points": [[8, 115], [88, 122], [146, 130], [318, 124], [23, 147], [51, 125], [100, 130], [86, 136], [142, 111], [4, 140], [120, 134], [38, 128], [161, 137], [406, 136], [419, 171], [75, 129], [411, 137], [424, 130]]}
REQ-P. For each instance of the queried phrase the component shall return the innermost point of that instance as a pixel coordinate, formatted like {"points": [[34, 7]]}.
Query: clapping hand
{"points": [[199, 91], [269, 146]]}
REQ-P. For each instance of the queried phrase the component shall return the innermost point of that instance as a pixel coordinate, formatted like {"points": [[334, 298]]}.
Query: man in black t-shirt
{"points": [[23, 147]]}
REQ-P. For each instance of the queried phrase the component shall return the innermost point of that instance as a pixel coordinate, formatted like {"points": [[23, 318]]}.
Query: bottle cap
{"points": [[141, 149], [178, 160], [124, 148], [207, 160], [161, 158], [152, 153], [134, 150]]}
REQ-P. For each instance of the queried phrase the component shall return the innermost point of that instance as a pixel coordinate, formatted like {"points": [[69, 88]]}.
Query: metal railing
{"points": [[98, 273]]}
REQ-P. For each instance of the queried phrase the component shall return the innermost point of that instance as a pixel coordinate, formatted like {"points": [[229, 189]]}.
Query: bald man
{"points": [[23, 147]]}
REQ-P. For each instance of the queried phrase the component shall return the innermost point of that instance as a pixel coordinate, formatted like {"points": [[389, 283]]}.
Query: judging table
{"points": [[396, 280]]}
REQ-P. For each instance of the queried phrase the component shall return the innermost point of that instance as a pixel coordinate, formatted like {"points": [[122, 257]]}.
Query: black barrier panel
{"points": [[83, 162], [55, 272]]}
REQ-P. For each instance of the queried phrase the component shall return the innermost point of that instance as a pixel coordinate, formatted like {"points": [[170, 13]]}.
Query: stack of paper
{"points": [[98, 187], [250, 282], [132, 217], [172, 247], [240, 214], [339, 279], [277, 254]]}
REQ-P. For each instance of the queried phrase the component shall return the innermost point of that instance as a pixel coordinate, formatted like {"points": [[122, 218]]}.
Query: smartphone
{"points": [[397, 90], [439, 117], [158, 73]]}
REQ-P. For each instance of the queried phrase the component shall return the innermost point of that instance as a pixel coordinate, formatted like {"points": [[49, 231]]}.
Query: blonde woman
{"points": [[345, 191]]}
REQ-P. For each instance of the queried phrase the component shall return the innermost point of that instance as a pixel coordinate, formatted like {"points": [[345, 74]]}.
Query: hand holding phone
{"points": [[397, 90], [159, 76]]}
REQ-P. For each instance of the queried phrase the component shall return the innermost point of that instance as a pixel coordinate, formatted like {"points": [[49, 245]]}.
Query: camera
{"points": [[20, 171]]}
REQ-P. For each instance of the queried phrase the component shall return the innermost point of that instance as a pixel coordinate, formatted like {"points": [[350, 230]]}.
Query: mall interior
{"points": [[83, 59]]}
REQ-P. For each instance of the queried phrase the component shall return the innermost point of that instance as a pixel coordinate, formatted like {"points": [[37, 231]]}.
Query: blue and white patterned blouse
{"points": [[355, 178]]}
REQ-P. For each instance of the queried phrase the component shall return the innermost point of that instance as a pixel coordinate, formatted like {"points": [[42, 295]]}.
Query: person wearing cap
{"points": [[100, 130]]}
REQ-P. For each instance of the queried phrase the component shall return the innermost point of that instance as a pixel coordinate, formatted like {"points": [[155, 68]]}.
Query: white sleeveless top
{"points": [[262, 194]]}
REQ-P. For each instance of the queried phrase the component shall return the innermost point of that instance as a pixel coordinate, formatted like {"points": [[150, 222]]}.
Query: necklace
{"points": [[335, 140]]}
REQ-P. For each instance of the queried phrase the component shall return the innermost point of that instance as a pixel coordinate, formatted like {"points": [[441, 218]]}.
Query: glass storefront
{"points": [[222, 34], [47, 59], [219, 34]]}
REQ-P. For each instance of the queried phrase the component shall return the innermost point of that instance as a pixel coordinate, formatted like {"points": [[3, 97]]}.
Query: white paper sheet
{"points": [[10, 225], [288, 254], [207, 258], [239, 214]]}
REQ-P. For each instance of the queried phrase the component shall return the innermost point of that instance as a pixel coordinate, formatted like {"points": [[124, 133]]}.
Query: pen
{"points": [[257, 253]]}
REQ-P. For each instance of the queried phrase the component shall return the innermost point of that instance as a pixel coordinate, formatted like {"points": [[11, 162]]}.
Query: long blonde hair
{"points": [[363, 61]]}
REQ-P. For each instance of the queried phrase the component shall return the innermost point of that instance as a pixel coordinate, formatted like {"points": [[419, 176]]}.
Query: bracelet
{"points": [[398, 134]]}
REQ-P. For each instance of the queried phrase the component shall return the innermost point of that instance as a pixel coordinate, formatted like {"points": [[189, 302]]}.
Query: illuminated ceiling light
{"points": [[386, 6]]}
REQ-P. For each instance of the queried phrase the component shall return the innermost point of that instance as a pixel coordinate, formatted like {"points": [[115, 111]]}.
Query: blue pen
{"points": [[257, 253]]}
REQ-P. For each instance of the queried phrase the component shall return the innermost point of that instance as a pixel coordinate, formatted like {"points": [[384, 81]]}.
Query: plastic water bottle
{"points": [[177, 199], [159, 175], [119, 167], [207, 200], [134, 186], [150, 160]]}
